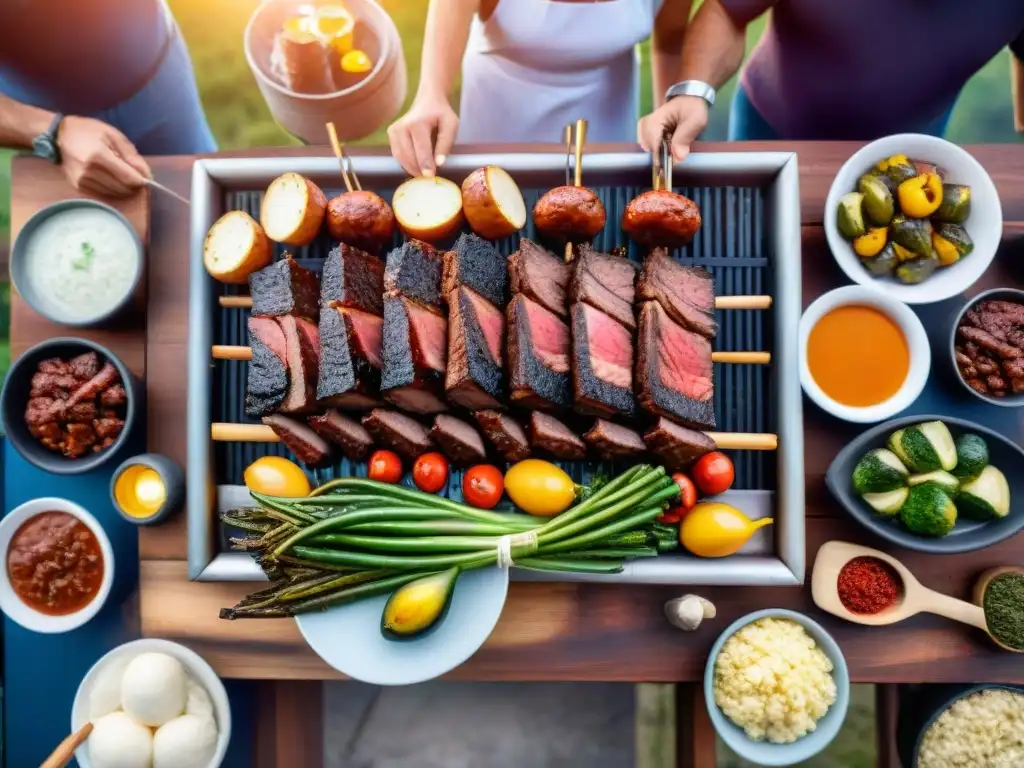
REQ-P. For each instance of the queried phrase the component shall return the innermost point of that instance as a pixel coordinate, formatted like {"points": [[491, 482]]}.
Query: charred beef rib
{"points": [[476, 334], [398, 432], [606, 283], [602, 363], [267, 382], [458, 440], [504, 433], [674, 372], [353, 278], [541, 276], [300, 439], [475, 263], [549, 434], [538, 356], [415, 348], [285, 288], [676, 445], [350, 358], [302, 343], [348, 434], [414, 270], [687, 294], [613, 441]]}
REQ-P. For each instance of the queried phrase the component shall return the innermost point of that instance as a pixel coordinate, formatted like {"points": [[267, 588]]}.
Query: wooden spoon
{"points": [[62, 755], [916, 598], [978, 595]]}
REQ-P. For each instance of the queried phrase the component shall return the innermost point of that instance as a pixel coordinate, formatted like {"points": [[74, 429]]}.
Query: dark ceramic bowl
{"points": [[967, 535], [170, 474], [14, 398], [1005, 294]]}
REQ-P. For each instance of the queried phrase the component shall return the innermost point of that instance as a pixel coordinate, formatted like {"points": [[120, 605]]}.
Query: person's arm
{"points": [[422, 137], [667, 46], [1017, 81], [21, 123]]}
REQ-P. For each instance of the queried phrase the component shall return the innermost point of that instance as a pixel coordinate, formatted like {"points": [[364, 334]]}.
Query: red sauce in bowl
{"points": [[55, 564]]}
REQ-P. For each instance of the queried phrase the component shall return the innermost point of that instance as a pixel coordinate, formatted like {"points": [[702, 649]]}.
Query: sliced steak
{"points": [[540, 275], [676, 445], [687, 294], [475, 263], [303, 347], [285, 288], [348, 434], [613, 441], [602, 363], [476, 333], [674, 373], [300, 439], [458, 440], [267, 377], [353, 278], [414, 270], [549, 434], [402, 434], [504, 433], [350, 358], [538, 356], [415, 345], [605, 282]]}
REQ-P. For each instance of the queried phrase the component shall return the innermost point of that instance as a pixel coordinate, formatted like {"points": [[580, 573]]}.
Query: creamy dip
{"points": [[80, 263]]}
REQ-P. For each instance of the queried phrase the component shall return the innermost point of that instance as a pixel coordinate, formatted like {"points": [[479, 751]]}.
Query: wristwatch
{"points": [[45, 144], [692, 88]]}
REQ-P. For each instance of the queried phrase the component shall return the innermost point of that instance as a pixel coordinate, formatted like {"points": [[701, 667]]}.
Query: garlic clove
{"points": [[688, 611]]}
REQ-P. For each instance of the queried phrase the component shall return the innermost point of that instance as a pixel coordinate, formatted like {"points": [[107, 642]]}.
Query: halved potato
{"points": [[428, 208], [493, 204], [293, 210], [235, 247]]}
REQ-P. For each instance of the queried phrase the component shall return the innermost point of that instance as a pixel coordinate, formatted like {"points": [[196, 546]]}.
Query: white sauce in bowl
{"points": [[80, 263]]}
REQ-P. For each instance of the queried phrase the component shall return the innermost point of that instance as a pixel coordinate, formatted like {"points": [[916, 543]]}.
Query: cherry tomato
{"points": [[385, 467], [713, 473], [482, 486], [430, 472]]}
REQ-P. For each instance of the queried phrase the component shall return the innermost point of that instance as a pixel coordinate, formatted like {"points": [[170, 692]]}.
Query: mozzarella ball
{"points": [[153, 688], [198, 700], [105, 694], [117, 741], [188, 741]]}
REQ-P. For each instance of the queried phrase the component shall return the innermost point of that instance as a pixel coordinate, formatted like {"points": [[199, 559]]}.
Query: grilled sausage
{"points": [[362, 219], [569, 214], [660, 217]]}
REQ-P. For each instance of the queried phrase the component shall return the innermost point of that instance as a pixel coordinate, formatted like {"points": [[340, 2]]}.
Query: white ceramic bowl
{"points": [[194, 664], [12, 605], [913, 332], [984, 225]]}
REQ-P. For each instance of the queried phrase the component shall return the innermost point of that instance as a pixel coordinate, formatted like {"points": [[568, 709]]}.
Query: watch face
{"points": [[43, 147]]}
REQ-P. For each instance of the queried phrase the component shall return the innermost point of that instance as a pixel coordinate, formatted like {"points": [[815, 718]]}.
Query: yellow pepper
{"points": [[902, 253], [540, 488], [921, 195], [714, 529], [945, 250], [871, 242]]}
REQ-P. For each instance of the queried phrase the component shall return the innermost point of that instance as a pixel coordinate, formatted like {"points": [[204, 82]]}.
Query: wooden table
{"points": [[547, 631]]}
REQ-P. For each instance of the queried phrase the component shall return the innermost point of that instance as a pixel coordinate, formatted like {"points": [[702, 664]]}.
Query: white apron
{"points": [[536, 65]]}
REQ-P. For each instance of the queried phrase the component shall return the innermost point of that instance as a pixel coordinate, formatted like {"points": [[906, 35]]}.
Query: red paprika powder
{"points": [[868, 585]]}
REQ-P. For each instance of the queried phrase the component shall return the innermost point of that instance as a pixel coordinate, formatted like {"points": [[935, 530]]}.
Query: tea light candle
{"points": [[145, 489]]}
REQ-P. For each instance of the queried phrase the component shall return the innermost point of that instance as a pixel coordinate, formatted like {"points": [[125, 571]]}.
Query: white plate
{"points": [[984, 225], [349, 637]]}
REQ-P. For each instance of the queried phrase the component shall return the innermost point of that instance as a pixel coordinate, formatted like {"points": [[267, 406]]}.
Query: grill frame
{"points": [[750, 204]]}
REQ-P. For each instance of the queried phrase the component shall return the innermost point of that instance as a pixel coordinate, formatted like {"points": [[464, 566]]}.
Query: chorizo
{"points": [[362, 219], [661, 218], [569, 214]]}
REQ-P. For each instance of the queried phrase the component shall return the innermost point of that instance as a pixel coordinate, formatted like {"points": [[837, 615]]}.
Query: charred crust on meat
{"points": [[342, 372], [473, 379], [353, 278], [414, 270], [591, 393], [532, 384], [285, 288], [475, 263], [401, 368]]}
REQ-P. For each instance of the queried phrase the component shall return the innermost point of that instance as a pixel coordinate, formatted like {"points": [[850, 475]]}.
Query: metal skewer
{"points": [[339, 152], [161, 188]]}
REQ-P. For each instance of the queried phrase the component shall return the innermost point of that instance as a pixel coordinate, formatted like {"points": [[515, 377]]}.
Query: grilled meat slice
{"points": [[687, 294], [350, 358], [475, 263], [348, 434], [606, 283], [541, 276], [476, 333], [353, 278], [398, 432], [302, 342], [677, 446], [307, 445], [414, 270], [459, 441], [505, 433], [267, 382], [415, 345], [549, 434], [613, 441], [538, 356], [285, 288], [602, 363], [674, 373]]}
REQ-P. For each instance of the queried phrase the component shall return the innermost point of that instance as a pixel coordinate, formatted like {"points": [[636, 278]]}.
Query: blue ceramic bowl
{"points": [[764, 752]]}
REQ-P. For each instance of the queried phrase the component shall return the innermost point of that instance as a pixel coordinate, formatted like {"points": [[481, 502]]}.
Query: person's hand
{"points": [[422, 138], [97, 158], [682, 119]]}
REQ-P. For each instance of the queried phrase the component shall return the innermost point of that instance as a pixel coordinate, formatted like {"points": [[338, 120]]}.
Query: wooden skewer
{"points": [[226, 352], [332, 134], [261, 433], [568, 154], [721, 302], [62, 755]]}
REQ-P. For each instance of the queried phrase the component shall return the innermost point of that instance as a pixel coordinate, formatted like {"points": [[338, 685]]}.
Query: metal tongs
{"points": [[661, 166], [348, 171]]}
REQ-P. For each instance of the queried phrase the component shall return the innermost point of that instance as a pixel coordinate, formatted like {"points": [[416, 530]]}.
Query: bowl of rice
{"points": [[777, 687]]}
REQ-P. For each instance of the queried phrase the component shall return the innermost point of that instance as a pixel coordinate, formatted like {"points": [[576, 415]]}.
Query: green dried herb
{"points": [[83, 261], [1004, 609]]}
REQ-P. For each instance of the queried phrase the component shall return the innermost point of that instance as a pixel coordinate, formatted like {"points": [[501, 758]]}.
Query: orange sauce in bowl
{"points": [[858, 355]]}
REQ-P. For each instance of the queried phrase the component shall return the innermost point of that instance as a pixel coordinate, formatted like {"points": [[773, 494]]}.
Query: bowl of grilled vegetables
{"points": [[932, 483], [914, 216]]}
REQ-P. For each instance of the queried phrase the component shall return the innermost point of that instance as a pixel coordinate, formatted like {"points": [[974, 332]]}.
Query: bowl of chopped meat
{"points": [[69, 405], [987, 346]]}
